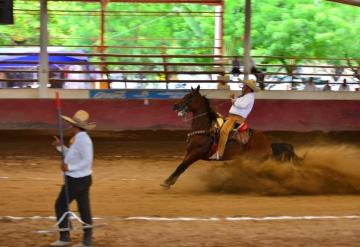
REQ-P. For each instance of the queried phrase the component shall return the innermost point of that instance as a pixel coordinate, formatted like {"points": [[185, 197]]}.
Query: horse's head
{"points": [[189, 103]]}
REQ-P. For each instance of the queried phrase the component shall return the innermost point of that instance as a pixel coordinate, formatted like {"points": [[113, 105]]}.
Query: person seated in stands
{"points": [[344, 86], [327, 86], [310, 86], [235, 71], [3, 84], [54, 83]]}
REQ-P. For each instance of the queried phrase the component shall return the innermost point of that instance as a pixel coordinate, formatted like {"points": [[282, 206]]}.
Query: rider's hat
{"points": [[252, 84], [80, 120]]}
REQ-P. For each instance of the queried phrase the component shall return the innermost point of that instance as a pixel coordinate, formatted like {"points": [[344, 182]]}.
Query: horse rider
{"points": [[240, 109], [77, 165]]}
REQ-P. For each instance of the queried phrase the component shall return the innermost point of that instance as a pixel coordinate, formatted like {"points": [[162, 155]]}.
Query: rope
{"points": [[61, 133], [202, 114], [70, 215]]}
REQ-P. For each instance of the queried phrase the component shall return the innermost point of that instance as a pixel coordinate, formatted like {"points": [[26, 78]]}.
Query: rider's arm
{"points": [[65, 148], [242, 102]]}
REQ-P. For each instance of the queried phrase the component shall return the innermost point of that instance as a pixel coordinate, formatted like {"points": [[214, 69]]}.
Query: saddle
{"points": [[240, 133]]}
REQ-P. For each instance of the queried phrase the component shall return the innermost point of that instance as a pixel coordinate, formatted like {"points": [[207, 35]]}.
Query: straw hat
{"points": [[252, 84], [80, 119]]}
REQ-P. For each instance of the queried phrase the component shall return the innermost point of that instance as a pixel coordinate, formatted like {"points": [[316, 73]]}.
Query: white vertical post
{"points": [[44, 64], [247, 40], [218, 42]]}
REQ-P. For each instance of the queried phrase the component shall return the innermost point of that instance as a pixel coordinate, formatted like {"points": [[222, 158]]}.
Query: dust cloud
{"points": [[325, 170]]}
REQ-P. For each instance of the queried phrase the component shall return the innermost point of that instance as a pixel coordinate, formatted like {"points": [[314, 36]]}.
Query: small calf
{"points": [[284, 152]]}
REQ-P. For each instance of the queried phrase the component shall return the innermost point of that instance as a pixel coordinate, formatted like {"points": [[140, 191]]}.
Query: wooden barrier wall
{"points": [[119, 114]]}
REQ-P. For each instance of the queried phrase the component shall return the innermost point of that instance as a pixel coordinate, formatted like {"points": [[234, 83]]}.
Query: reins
{"points": [[202, 114], [199, 132]]}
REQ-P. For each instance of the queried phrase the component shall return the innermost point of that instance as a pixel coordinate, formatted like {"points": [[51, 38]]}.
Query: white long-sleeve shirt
{"points": [[243, 105], [79, 156]]}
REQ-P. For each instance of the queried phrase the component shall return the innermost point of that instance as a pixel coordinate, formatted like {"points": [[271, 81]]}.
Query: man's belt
{"points": [[236, 117]]}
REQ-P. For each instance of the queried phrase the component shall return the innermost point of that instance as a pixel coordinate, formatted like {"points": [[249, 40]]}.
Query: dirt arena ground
{"points": [[213, 203]]}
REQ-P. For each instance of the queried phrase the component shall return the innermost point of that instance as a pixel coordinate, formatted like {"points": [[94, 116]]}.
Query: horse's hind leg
{"points": [[179, 170]]}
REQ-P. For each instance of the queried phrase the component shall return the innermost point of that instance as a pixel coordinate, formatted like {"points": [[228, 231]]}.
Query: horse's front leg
{"points": [[188, 160]]}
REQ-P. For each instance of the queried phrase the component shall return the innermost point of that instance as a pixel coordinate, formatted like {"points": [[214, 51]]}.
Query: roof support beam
{"points": [[219, 29], [247, 39], [44, 60]]}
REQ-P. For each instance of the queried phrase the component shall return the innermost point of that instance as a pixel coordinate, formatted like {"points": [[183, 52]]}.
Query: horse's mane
{"points": [[212, 115]]}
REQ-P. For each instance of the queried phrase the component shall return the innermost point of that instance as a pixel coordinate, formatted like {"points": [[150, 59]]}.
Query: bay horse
{"points": [[201, 138]]}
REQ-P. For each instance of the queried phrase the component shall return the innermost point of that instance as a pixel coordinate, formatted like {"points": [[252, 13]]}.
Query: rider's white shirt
{"points": [[243, 105], [79, 156]]}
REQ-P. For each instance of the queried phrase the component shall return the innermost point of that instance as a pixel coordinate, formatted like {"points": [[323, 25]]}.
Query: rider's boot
{"points": [[215, 156]]}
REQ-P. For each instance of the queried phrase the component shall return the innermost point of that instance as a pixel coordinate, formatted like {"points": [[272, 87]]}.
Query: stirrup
{"points": [[55, 228]]}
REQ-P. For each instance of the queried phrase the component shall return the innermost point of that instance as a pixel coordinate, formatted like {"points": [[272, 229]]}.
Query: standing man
{"points": [[77, 165], [344, 86], [240, 109], [327, 86], [310, 86]]}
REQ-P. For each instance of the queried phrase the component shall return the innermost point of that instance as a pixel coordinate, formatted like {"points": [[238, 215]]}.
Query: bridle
{"points": [[183, 108], [182, 112]]}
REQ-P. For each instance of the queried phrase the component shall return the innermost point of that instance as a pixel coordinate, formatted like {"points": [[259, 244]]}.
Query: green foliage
{"points": [[305, 28], [295, 28]]}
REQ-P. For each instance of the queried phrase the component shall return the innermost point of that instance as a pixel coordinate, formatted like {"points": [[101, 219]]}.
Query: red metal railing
{"points": [[164, 68]]}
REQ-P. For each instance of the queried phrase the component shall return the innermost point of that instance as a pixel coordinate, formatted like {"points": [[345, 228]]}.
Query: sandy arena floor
{"points": [[129, 167]]}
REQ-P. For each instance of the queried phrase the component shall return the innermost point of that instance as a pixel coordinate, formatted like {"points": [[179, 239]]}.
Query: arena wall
{"points": [[272, 112]]}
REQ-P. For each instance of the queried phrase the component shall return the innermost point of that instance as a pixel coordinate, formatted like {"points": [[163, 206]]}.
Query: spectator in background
{"points": [[75, 80], [142, 76], [344, 86], [327, 86], [3, 84], [54, 83], [235, 71], [310, 86]]}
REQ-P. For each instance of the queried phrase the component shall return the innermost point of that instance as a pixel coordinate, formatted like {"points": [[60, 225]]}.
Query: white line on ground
{"points": [[244, 218], [240, 218], [140, 156], [27, 178]]}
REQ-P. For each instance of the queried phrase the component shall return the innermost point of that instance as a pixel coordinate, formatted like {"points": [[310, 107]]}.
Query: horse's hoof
{"points": [[165, 185]]}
